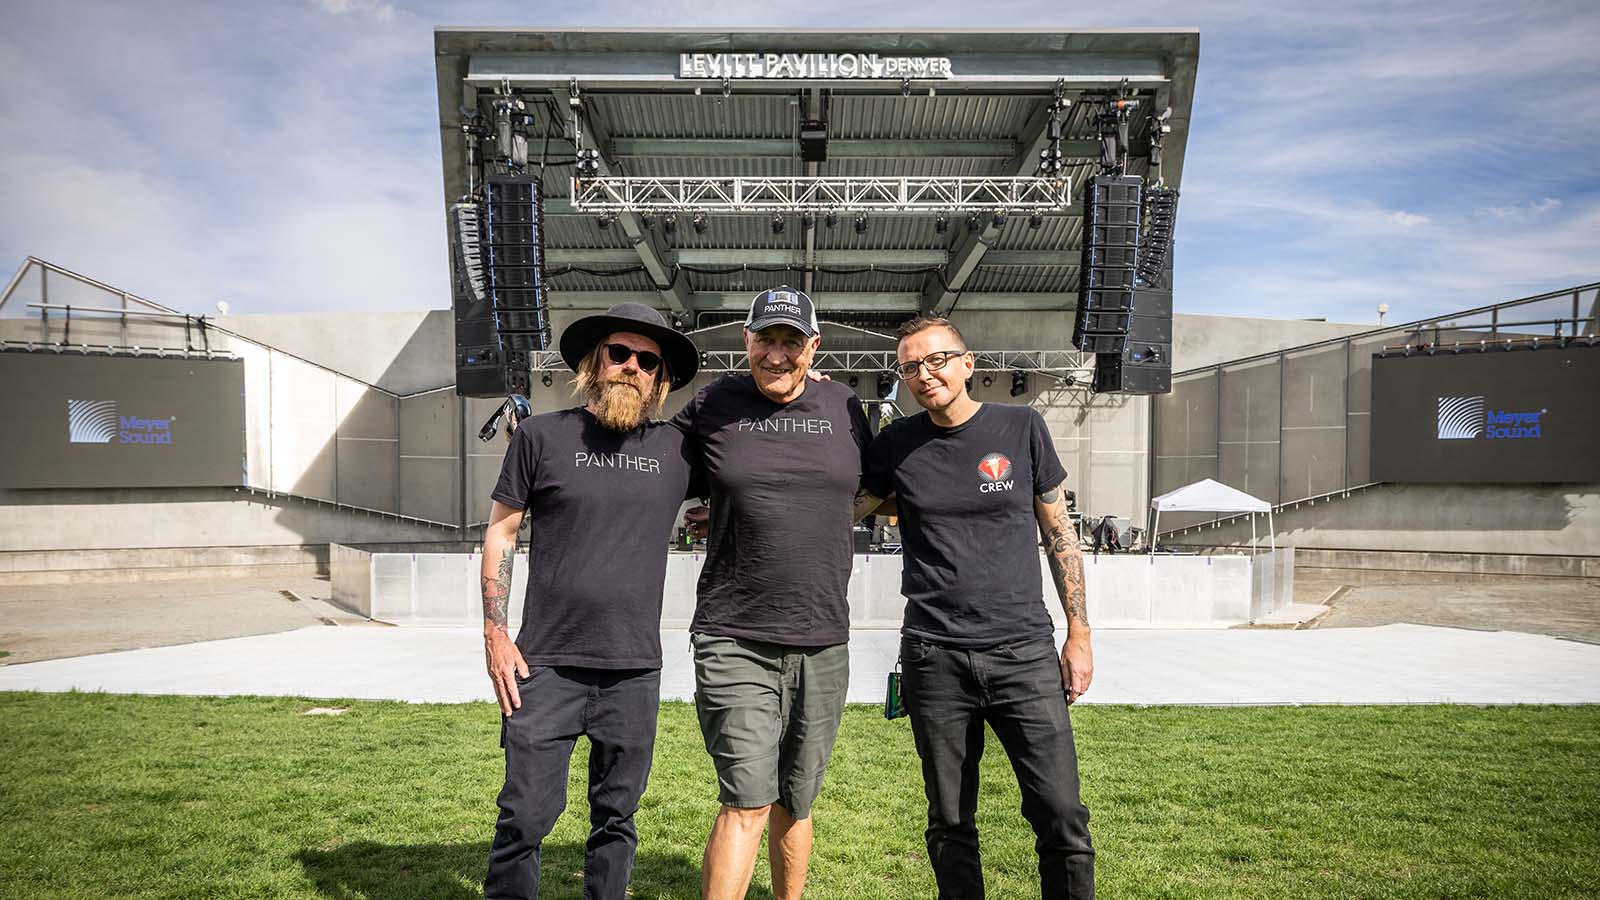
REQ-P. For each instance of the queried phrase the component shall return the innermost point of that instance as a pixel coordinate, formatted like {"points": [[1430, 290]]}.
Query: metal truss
{"points": [[1048, 362], [608, 194]]}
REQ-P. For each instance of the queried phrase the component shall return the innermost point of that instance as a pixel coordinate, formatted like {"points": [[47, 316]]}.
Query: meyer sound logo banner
{"points": [[1460, 418], [91, 421], [98, 422], [1464, 418]]}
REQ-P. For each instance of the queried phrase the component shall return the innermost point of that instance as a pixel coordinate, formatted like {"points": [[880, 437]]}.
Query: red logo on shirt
{"points": [[994, 467]]}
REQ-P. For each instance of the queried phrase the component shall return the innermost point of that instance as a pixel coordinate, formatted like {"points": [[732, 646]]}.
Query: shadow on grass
{"points": [[364, 870]]}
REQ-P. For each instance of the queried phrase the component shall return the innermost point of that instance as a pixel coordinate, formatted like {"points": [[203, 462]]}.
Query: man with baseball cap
{"points": [[603, 484], [783, 462], [976, 484]]}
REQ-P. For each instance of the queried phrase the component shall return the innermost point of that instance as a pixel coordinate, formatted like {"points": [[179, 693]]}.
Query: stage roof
{"points": [[987, 118]]}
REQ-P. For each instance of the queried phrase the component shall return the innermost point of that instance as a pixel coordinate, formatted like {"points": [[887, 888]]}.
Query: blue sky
{"points": [[1432, 157]]}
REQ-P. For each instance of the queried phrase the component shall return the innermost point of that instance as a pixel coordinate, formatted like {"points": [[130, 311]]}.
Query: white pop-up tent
{"points": [[1207, 495]]}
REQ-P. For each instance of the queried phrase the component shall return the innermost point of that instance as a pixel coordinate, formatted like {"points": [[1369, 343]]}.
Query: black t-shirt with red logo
{"points": [[965, 494], [783, 479], [602, 507]]}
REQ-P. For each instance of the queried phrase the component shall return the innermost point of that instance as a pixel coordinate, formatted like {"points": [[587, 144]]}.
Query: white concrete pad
{"points": [[1388, 664], [1292, 614]]}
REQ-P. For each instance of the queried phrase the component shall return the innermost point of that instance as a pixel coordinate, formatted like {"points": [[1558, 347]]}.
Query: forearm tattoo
{"points": [[1066, 561], [497, 590]]}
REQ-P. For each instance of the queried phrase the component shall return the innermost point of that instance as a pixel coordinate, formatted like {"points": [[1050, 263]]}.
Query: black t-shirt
{"points": [[601, 508], [967, 523], [783, 480]]}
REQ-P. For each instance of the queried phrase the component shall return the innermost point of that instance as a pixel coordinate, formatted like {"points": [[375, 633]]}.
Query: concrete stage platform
{"points": [[1383, 665]]}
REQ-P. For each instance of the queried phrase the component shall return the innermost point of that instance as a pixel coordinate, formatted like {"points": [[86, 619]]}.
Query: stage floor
{"points": [[1389, 664]]}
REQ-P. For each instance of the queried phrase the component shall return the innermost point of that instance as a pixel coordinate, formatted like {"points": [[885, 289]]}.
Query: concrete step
{"points": [[29, 567]]}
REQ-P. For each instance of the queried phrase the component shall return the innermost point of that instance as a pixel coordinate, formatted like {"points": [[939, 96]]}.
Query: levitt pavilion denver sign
{"points": [[810, 65]]}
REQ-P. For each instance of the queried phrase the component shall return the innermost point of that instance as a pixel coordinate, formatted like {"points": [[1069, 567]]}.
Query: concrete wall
{"points": [[1501, 520], [1207, 340], [401, 352], [316, 427], [1123, 591], [185, 517]]}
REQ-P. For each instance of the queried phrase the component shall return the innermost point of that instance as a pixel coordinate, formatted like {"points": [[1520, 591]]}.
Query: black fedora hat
{"points": [[683, 357]]}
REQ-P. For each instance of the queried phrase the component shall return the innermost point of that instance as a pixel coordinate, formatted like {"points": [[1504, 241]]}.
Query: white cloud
{"points": [[374, 8], [287, 156]]}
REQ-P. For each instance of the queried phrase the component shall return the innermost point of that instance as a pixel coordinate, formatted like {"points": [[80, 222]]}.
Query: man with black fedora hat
{"points": [[783, 456], [602, 484]]}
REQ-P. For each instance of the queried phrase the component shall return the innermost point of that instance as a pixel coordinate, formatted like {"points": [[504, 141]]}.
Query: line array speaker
{"points": [[498, 269], [1109, 265], [1142, 364]]}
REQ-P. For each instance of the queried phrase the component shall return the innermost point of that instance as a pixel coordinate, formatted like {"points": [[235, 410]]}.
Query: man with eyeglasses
{"points": [[603, 484], [975, 484], [783, 459]]}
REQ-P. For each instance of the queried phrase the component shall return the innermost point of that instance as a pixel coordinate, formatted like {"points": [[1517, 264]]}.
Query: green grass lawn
{"points": [[111, 796]]}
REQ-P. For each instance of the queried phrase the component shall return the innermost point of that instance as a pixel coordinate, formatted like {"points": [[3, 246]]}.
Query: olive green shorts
{"points": [[769, 714]]}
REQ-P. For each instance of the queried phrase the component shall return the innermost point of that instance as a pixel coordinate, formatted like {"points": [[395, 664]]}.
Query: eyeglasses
{"points": [[934, 361], [619, 354]]}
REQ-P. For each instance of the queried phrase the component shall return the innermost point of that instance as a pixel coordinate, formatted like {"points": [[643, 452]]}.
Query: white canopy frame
{"points": [[1208, 495]]}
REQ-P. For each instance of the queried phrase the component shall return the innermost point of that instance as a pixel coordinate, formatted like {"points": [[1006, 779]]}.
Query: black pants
{"points": [[617, 710], [1016, 688]]}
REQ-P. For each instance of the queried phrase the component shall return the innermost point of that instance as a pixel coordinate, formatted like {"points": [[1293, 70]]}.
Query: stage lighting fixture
{"points": [[974, 222], [1019, 383], [885, 385], [988, 380], [547, 381], [1035, 220], [648, 221], [699, 223], [861, 224], [808, 222], [941, 224], [855, 380], [705, 358], [603, 222], [777, 224], [669, 225], [813, 141], [999, 219], [831, 219]]}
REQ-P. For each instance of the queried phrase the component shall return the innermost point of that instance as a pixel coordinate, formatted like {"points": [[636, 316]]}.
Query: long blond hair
{"points": [[586, 383]]}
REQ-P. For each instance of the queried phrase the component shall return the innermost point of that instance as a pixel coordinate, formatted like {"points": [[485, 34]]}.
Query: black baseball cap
{"points": [[782, 305]]}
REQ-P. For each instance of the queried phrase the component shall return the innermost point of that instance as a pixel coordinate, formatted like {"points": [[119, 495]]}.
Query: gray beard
{"points": [[620, 407]]}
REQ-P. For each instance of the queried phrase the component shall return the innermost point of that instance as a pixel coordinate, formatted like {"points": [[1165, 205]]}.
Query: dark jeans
{"points": [[950, 693], [617, 710]]}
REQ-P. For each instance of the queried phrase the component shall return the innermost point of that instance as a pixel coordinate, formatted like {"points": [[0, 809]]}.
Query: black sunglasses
{"points": [[619, 353]]}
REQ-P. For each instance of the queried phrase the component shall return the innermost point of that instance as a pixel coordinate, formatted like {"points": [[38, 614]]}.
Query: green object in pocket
{"points": [[894, 705]]}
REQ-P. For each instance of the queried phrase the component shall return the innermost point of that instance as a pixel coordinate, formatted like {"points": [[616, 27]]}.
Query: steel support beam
{"points": [[915, 194], [939, 297], [890, 259], [1054, 362], [674, 292], [838, 148], [875, 301], [813, 103]]}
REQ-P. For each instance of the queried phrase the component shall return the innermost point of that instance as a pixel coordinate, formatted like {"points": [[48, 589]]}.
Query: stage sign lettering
{"points": [[811, 65]]}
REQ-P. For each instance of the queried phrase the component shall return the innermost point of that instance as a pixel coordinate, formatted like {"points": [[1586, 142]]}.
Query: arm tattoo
{"points": [[1066, 565], [497, 590]]}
